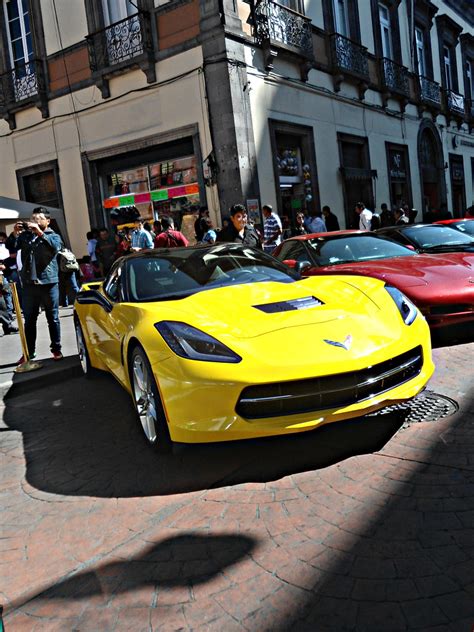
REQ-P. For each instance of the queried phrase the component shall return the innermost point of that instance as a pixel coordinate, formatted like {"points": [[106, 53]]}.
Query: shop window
{"points": [[295, 171], [399, 175], [161, 188]]}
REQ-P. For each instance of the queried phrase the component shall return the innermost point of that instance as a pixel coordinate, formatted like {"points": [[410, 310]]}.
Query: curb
{"points": [[51, 372]]}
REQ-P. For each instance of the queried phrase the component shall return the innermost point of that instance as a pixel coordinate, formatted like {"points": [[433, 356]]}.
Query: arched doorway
{"points": [[430, 159]]}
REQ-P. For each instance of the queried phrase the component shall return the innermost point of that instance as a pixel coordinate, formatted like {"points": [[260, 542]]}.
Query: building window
{"points": [[295, 5], [116, 10], [469, 79], [20, 43], [386, 31], [420, 52], [341, 17], [448, 77]]}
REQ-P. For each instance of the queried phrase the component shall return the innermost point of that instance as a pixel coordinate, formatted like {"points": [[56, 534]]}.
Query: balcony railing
{"points": [[21, 83], [395, 77], [120, 43], [281, 26], [430, 92], [348, 56], [455, 103]]}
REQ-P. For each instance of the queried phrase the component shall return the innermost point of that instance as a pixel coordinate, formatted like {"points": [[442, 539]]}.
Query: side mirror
{"points": [[291, 263], [301, 266], [93, 297]]}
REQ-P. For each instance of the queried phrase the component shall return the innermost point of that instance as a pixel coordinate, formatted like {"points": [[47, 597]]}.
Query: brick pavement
{"points": [[354, 527]]}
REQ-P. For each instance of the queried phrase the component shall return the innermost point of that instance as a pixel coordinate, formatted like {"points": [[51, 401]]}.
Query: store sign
{"points": [[155, 196], [397, 165]]}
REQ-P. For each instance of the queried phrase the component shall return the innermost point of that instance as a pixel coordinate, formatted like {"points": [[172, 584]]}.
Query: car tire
{"points": [[147, 402], [84, 358]]}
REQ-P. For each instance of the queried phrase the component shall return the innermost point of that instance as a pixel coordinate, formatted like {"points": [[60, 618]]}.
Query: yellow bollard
{"points": [[29, 365]]}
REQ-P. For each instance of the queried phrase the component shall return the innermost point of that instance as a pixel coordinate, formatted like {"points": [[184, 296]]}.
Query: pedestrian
{"points": [[4, 253], [399, 217], [210, 235], [12, 239], [169, 237], [200, 226], [331, 221], [92, 237], [272, 229], [38, 249], [238, 231], [125, 241], [157, 228], [87, 271], [386, 216], [316, 223], [299, 227], [141, 238], [105, 250], [6, 305], [68, 287], [365, 216]]}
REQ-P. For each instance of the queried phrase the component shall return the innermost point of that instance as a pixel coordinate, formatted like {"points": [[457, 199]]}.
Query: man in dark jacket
{"points": [[331, 221], [238, 231], [39, 246]]}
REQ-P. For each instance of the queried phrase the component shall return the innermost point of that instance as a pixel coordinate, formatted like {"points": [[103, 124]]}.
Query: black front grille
{"points": [[329, 391]]}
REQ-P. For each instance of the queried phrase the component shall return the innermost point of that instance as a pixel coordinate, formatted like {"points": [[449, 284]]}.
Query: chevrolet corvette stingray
{"points": [[225, 343]]}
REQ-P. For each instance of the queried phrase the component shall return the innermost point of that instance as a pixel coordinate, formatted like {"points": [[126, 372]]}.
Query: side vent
{"points": [[289, 306]]}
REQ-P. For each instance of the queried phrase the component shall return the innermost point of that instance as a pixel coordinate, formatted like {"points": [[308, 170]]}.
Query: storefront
{"points": [[295, 170], [150, 182], [398, 168], [458, 192]]}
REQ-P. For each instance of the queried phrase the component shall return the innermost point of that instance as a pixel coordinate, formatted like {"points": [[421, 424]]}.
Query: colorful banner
{"points": [[156, 196]]}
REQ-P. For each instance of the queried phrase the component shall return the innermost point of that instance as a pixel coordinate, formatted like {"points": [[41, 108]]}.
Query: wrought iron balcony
{"points": [[279, 26], [429, 92], [349, 57], [22, 86], [455, 103], [122, 44], [394, 77]]}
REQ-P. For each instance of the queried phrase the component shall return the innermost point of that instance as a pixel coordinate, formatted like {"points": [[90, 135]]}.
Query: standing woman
{"points": [[299, 228]]}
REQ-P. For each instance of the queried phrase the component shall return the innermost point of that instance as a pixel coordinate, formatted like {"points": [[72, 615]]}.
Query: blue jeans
{"points": [[35, 296], [68, 288]]}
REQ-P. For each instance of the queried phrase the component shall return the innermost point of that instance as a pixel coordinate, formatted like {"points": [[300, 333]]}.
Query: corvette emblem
{"points": [[344, 345]]}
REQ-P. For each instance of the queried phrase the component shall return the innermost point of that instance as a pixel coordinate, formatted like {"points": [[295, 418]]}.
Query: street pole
{"points": [[28, 365]]}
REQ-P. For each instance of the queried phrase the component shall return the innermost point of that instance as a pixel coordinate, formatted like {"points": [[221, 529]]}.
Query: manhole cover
{"points": [[427, 406]]}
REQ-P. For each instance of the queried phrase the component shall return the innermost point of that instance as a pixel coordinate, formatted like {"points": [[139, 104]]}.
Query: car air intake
{"points": [[288, 306], [329, 391]]}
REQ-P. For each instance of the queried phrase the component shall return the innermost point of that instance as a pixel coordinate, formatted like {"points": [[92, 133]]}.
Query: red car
{"points": [[465, 225], [441, 286]]}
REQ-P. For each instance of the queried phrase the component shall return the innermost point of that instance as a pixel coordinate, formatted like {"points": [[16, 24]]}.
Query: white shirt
{"points": [[364, 219]]}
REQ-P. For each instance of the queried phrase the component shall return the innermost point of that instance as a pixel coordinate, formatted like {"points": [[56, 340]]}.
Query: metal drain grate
{"points": [[427, 406]]}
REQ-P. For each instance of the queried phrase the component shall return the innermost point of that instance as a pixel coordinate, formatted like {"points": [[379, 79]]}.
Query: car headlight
{"points": [[193, 344], [407, 310]]}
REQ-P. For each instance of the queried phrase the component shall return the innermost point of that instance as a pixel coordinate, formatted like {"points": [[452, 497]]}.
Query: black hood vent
{"points": [[289, 306]]}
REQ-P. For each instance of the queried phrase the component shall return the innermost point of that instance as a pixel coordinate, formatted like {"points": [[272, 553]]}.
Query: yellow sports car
{"points": [[226, 342]]}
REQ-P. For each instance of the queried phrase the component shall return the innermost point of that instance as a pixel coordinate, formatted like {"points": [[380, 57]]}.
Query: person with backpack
{"points": [[39, 272], [170, 238], [68, 287]]}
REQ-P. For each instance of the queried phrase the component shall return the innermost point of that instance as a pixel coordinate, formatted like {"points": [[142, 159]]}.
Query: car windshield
{"points": [[180, 272], [352, 248], [428, 237], [466, 226]]}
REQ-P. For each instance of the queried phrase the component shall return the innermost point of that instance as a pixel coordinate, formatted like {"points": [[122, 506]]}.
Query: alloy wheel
{"points": [[144, 398]]}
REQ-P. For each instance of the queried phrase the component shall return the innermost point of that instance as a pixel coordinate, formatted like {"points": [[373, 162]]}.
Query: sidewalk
{"points": [[11, 351]]}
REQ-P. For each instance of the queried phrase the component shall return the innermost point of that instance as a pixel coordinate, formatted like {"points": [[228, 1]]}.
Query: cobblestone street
{"points": [[364, 525]]}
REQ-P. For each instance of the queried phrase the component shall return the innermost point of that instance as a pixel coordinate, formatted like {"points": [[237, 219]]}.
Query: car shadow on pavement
{"points": [[82, 438], [187, 560]]}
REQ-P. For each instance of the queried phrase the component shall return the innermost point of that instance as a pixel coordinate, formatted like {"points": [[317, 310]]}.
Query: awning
{"points": [[355, 173], [12, 210]]}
